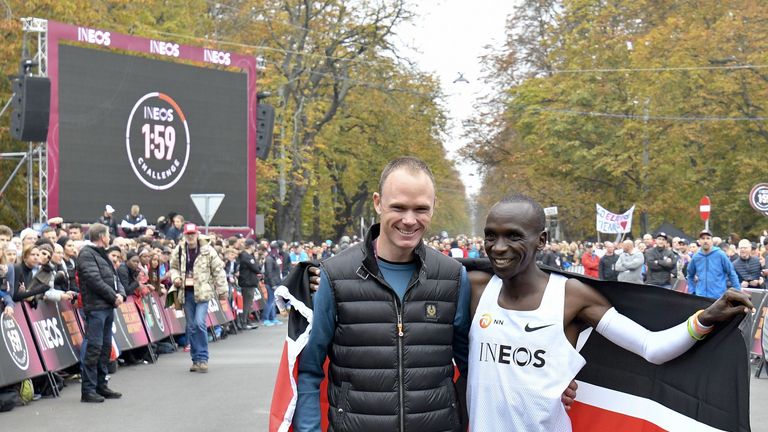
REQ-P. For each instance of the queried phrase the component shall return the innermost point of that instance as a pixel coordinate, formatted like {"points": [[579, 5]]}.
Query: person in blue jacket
{"points": [[710, 270]]}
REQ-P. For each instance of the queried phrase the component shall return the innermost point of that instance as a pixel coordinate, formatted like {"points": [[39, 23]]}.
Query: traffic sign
{"points": [[207, 204], [704, 208]]}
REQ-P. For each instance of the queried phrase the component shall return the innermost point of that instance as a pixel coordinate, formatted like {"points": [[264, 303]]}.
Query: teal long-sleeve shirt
{"points": [[306, 418]]}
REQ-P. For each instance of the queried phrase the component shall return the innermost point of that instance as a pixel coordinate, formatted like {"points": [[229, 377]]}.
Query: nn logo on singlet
{"points": [[486, 320], [507, 354]]}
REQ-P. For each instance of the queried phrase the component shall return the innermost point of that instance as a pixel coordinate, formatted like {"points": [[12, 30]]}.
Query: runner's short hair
{"points": [[514, 198]]}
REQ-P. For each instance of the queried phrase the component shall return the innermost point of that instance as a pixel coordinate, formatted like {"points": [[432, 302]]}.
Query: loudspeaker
{"points": [[31, 106], [265, 123]]}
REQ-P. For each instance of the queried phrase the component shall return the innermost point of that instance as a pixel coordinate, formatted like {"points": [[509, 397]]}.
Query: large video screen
{"points": [[135, 130]]}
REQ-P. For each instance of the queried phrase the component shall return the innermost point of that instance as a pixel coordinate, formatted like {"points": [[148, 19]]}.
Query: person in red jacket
{"points": [[590, 261]]}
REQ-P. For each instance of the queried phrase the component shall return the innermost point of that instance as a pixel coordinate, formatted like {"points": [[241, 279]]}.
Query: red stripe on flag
{"points": [[282, 397], [593, 419]]}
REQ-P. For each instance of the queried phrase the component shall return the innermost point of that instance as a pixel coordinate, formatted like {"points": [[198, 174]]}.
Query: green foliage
{"points": [[344, 106], [608, 81]]}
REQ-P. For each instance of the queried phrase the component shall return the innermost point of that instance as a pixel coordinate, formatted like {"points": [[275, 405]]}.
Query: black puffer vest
{"points": [[390, 361]]}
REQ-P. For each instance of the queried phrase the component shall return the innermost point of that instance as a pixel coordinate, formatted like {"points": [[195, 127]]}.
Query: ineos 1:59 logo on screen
{"points": [[157, 141]]}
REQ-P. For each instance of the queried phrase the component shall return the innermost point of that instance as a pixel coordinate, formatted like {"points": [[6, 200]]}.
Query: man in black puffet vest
{"points": [[391, 315], [373, 370]]}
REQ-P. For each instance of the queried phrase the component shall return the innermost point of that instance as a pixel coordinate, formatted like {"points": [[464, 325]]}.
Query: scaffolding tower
{"points": [[35, 158]]}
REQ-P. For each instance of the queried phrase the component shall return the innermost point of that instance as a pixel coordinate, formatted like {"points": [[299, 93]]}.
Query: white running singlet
{"points": [[520, 363]]}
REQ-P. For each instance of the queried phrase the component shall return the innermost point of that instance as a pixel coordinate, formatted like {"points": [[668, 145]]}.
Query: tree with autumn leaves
{"points": [[652, 103], [345, 102]]}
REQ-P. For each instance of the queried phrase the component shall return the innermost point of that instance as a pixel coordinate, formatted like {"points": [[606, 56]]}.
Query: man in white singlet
{"points": [[525, 323]]}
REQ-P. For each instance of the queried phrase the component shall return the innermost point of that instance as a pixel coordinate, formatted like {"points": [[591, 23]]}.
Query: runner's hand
{"points": [[314, 278], [731, 304], [569, 395], [8, 311]]}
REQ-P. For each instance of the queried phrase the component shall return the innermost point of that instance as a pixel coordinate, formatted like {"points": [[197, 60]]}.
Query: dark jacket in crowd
{"points": [[747, 269], [110, 223], [286, 265], [660, 271], [128, 278], [134, 227], [61, 281], [552, 259], [38, 284], [607, 268], [23, 274], [69, 266], [232, 268], [99, 284], [250, 269], [272, 275], [173, 233]]}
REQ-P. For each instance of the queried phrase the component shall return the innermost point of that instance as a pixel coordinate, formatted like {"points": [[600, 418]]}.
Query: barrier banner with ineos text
{"points": [[127, 327], [56, 332]]}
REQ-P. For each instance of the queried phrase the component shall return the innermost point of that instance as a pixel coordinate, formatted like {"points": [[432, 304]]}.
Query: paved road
{"points": [[234, 396]]}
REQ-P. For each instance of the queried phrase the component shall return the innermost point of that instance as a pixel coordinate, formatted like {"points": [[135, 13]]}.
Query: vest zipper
{"points": [[400, 335], [400, 365]]}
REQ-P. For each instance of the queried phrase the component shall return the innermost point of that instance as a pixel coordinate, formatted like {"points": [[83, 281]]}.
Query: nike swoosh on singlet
{"points": [[528, 327]]}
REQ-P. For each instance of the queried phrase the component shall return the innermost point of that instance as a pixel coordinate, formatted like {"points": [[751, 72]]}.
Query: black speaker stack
{"points": [[31, 107], [265, 123]]}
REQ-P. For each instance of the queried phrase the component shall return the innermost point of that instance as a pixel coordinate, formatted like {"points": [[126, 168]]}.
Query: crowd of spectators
{"points": [[706, 266], [41, 264]]}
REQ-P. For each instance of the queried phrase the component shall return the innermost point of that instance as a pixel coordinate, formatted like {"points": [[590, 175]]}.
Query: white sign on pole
{"points": [[206, 205], [550, 211], [608, 222]]}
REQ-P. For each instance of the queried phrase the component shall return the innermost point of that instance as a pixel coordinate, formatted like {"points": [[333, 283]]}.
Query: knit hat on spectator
{"points": [[26, 232]]}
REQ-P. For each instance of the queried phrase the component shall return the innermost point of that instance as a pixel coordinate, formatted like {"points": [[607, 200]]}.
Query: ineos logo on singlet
{"points": [[507, 354]]}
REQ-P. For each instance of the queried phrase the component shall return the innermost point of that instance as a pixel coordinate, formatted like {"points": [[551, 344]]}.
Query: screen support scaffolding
{"points": [[35, 33]]}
